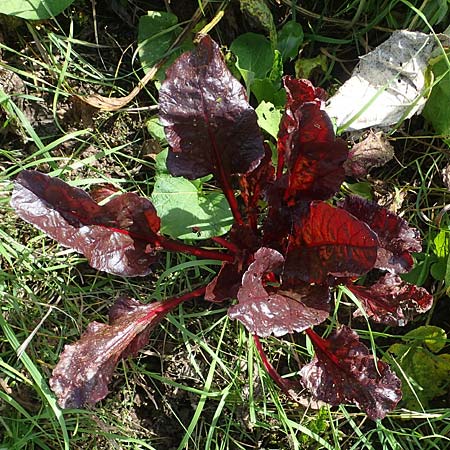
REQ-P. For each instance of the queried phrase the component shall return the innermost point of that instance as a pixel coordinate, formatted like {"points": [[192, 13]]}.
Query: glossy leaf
{"points": [[117, 237], [85, 368], [209, 124], [308, 147], [266, 310], [329, 241], [396, 238], [392, 301], [254, 186], [344, 371], [225, 285]]}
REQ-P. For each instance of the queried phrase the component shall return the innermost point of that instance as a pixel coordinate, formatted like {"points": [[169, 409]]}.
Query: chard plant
{"points": [[289, 248]]}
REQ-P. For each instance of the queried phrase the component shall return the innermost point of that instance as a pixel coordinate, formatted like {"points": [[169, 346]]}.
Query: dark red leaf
{"points": [[299, 93], [343, 370], [116, 237], [392, 301], [308, 147], [210, 126], [225, 284], [315, 171], [85, 368], [254, 185], [329, 241], [396, 238], [266, 310]]}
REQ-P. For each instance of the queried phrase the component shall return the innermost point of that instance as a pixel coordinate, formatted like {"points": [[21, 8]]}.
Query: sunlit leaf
{"points": [[344, 371]]}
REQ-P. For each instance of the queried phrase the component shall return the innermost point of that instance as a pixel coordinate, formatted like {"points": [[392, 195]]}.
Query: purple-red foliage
{"points": [[396, 239], [391, 300], [288, 248], [119, 237], [344, 370]]}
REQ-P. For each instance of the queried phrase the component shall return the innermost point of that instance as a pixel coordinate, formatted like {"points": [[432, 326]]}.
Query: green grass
{"points": [[199, 384]]}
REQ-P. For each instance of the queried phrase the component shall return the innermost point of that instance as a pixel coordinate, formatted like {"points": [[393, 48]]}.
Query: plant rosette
{"points": [[288, 248]]}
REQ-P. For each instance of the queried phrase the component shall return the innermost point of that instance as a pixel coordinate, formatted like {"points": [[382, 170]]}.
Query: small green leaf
{"points": [[254, 56], [268, 118], [185, 208], [34, 9], [155, 129], [266, 90], [156, 33], [437, 108], [440, 270], [427, 373], [305, 66], [433, 337], [290, 37], [363, 189], [160, 162], [422, 266]]}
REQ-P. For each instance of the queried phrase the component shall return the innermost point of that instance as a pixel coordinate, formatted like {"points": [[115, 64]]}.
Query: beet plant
{"points": [[290, 246]]}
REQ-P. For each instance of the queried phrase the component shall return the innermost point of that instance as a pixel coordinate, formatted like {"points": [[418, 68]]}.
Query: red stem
{"points": [[229, 194], [321, 344], [226, 243], [224, 182], [175, 246], [283, 384], [280, 164], [168, 305]]}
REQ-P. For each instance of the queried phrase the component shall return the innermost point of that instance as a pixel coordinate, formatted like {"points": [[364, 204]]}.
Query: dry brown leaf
{"points": [[446, 176], [373, 151], [115, 103]]}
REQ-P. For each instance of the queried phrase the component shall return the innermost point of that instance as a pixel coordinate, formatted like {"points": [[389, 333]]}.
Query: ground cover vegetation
{"points": [[216, 189]]}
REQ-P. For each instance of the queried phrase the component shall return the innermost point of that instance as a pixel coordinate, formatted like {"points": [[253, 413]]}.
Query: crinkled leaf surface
{"points": [[117, 237], [307, 145], [188, 211], [210, 126], [85, 368], [329, 241], [343, 370], [392, 301], [254, 186], [396, 238], [265, 310]]}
